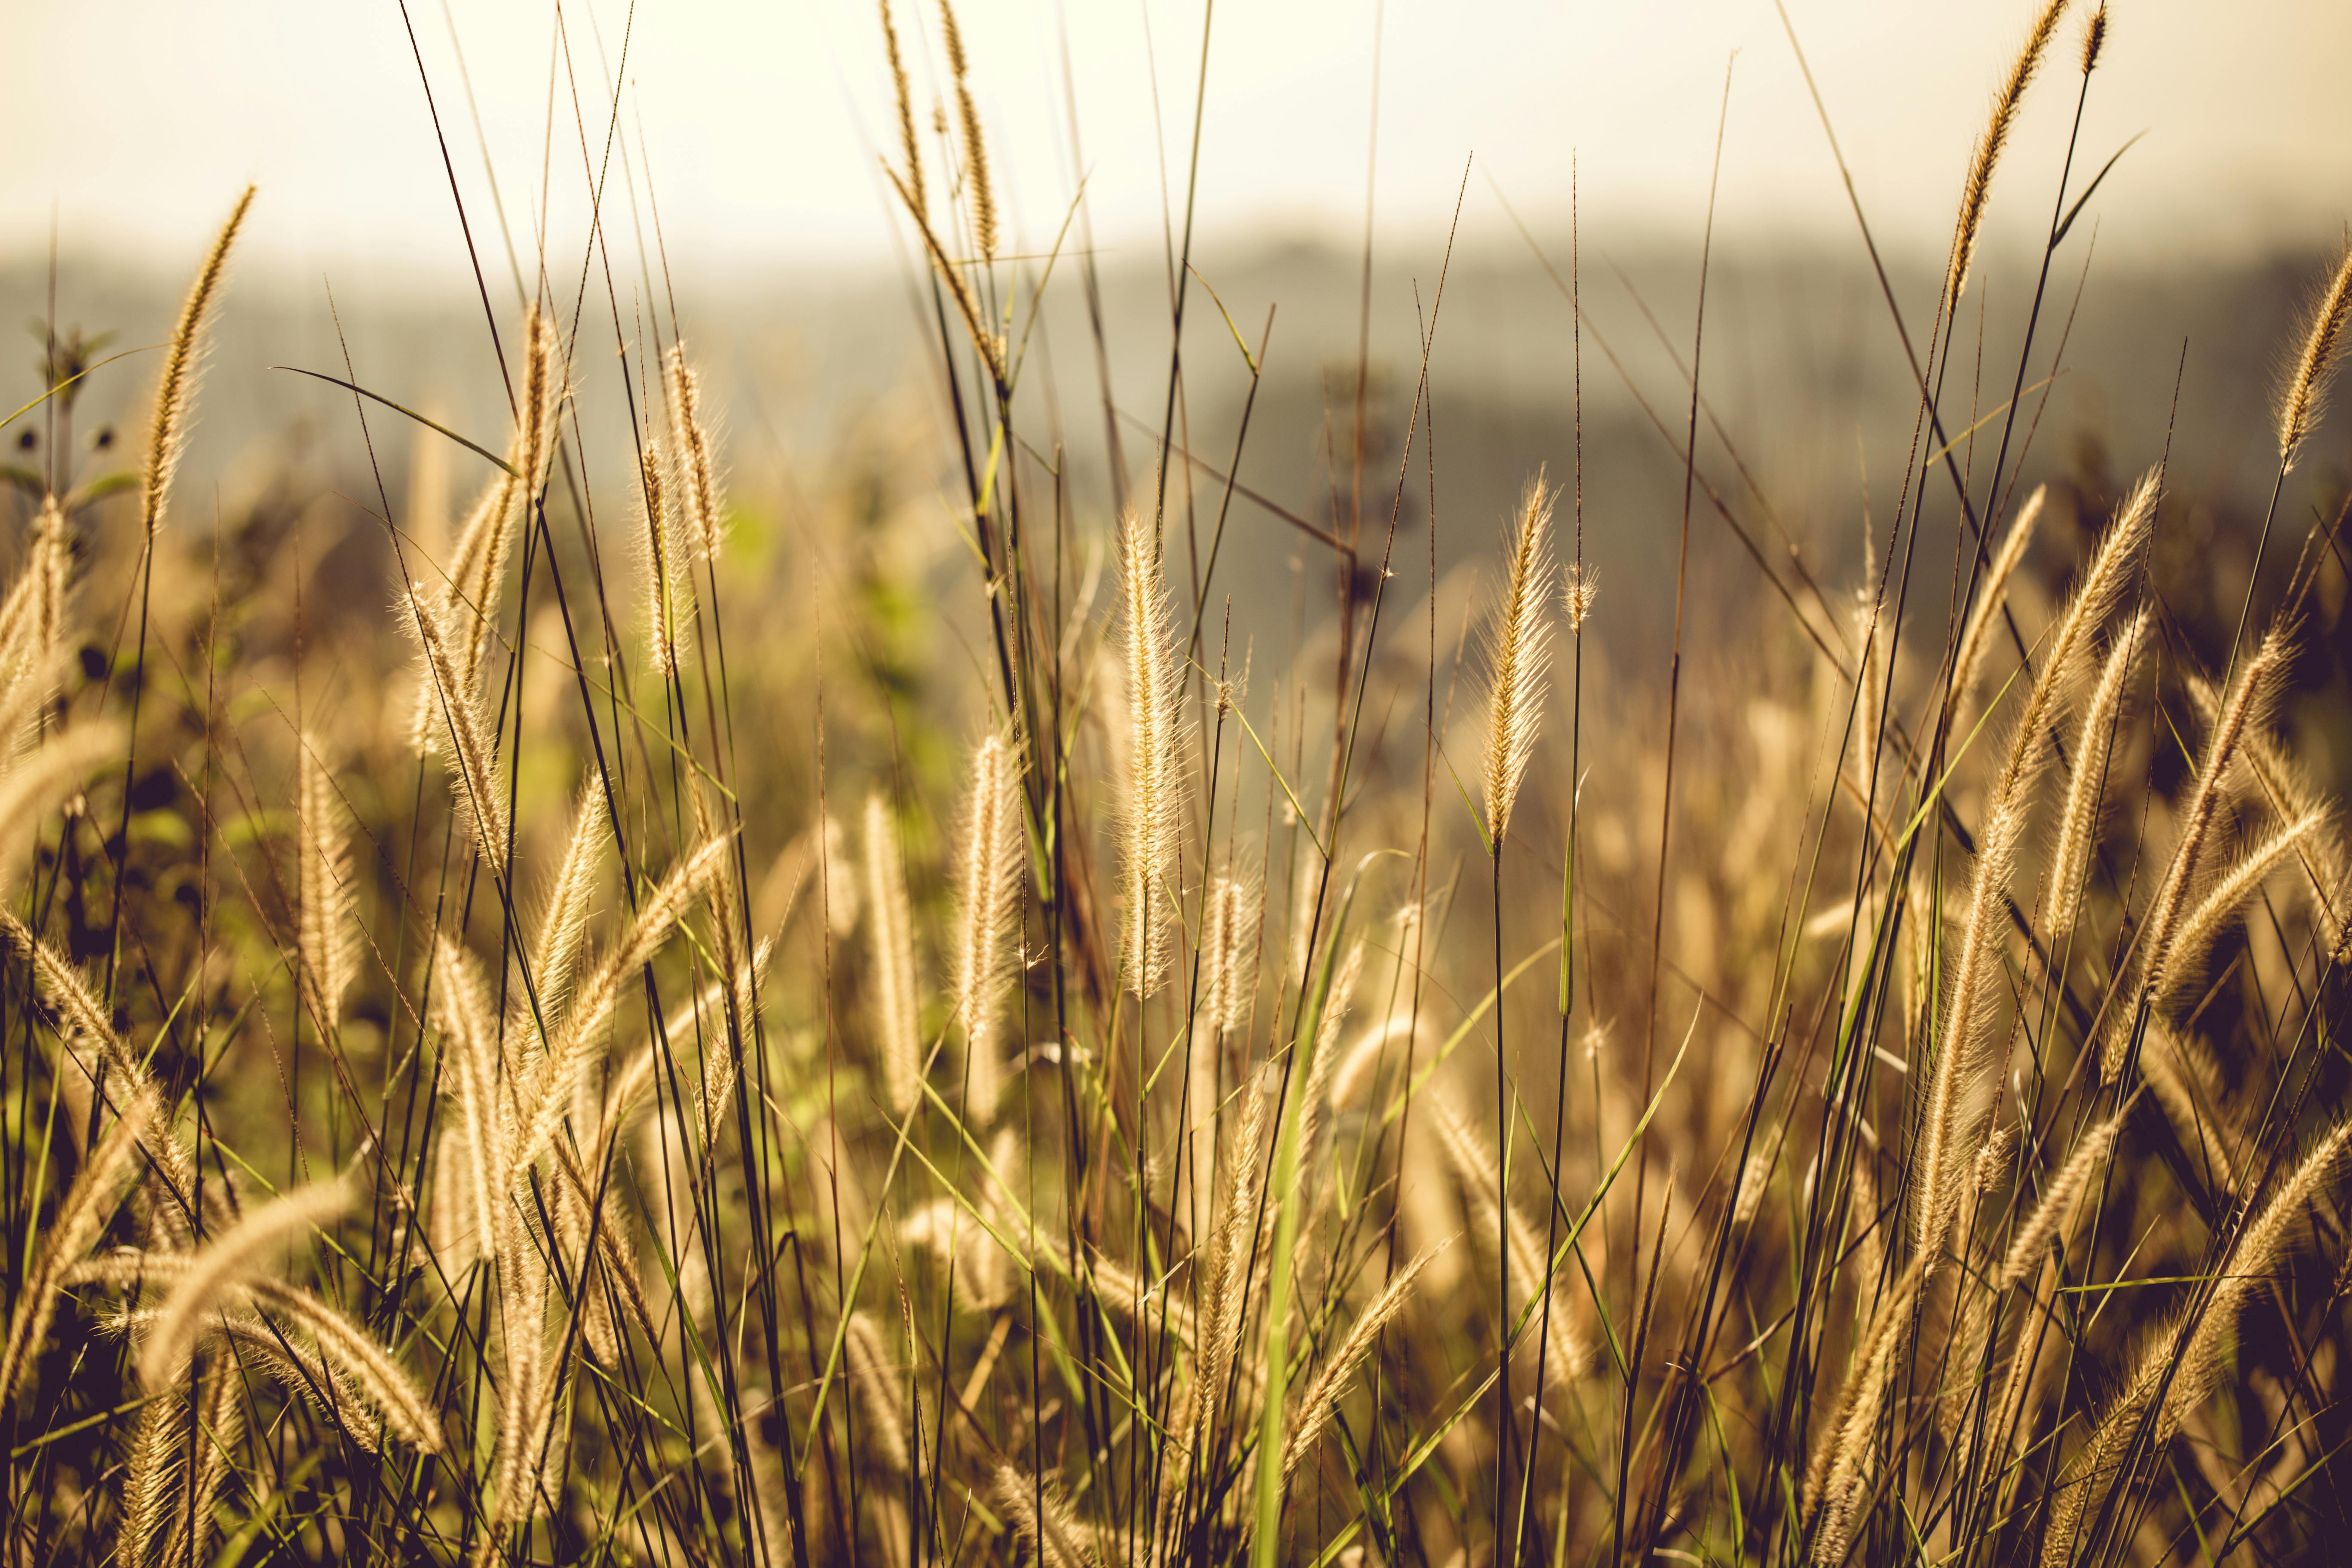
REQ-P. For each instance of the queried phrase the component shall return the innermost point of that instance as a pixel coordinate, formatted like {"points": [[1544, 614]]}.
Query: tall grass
{"points": [[665, 1084]]}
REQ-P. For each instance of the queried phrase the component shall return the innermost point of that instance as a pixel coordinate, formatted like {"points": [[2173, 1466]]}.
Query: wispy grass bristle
{"points": [[184, 356]]}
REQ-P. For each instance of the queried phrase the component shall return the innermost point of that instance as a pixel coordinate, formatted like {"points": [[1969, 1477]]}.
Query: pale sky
{"points": [[133, 122]]}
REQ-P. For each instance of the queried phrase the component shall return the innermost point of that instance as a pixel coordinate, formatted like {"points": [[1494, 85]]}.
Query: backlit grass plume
{"points": [[2306, 384], [184, 356], [980, 191], [1151, 811], [988, 904], [1517, 655], [2008, 96], [327, 943], [1991, 598], [897, 992], [505, 1126], [699, 502]]}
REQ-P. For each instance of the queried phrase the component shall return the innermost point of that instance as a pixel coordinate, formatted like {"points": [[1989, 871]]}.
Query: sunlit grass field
{"points": [[655, 1031]]}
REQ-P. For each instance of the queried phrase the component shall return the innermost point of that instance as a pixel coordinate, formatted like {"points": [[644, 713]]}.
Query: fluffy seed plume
{"points": [[1834, 1475], [1316, 1406], [521, 1456], [1580, 586], [359, 1369], [2184, 1375], [151, 1476], [978, 189], [2086, 794], [219, 1430], [171, 1178], [564, 920], [879, 1391], [325, 881], [223, 1262], [897, 1023], [2218, 911], [2057, 1205], [2095, 39], [2256, 685], [2006, 99], [1967, 1049], [1358, 1070], [1976, 637], [1476, 1165], [669, 590], [2095, 601], [1315, 1099], [183, 357], [1229, 921], [2288, 790], [1230, 1270], [1149, 832], [909, 147], [1755, 1180], [988, 898], [700, 499], [478, 579], [549, 1097], [33, 614], [474, 786], [462, 1014], [2306, 384], [1518, 653], [1047, 1530], [88, 1204]]}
